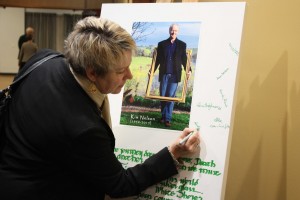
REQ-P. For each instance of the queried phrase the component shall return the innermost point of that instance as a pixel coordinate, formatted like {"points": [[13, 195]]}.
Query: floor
{"points": [[5, 80]]}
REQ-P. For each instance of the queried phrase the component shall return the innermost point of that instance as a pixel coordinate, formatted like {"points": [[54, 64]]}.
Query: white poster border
{"points": [[214, 84]]}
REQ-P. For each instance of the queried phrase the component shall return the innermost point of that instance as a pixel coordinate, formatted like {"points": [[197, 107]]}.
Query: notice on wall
{"points": [[149, 114]]}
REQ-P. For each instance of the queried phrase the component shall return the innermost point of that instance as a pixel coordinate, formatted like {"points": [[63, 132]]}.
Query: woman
{"points": [[59, 143]]}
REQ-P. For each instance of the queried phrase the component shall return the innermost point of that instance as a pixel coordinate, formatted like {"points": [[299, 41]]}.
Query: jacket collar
{"points": [[100, 99]]}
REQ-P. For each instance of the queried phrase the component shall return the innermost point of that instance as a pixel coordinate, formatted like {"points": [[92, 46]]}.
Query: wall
{"points": [[9, 36], [65, 4], [55, 4]]}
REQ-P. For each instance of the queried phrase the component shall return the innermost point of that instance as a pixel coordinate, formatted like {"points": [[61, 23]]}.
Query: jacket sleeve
{"points": [[93, 159], [159, 55]]}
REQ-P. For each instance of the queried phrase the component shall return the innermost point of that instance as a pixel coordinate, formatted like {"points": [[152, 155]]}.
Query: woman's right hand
{"points": [[191, 146]]}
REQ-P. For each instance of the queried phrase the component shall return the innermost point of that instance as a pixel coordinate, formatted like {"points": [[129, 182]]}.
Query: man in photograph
{"points": [[171, 58]]}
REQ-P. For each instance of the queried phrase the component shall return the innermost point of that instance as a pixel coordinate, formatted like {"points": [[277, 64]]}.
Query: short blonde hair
{"points": [[97, 43]]}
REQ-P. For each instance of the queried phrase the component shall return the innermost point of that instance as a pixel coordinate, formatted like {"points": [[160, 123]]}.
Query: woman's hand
{"points": [[189, 147]]}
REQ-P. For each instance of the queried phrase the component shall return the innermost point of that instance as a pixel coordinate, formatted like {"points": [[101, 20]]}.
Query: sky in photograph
{"points": [[189, 32]]}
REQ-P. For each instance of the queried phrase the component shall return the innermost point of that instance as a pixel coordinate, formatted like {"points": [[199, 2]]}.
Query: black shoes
{"points": [[167, 123]]}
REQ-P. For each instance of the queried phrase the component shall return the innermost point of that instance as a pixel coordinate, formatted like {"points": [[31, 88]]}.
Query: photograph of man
{"points": [[171, 58]]}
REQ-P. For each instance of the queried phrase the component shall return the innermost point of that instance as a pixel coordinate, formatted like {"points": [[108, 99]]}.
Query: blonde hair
{"points": [[97, 43]]}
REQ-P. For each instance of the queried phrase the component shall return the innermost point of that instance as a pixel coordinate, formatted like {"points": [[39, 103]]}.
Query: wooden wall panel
{"points": [[65, 4], [55, 4]]}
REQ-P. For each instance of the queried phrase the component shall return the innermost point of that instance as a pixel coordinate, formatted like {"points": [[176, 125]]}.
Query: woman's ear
{"points": [[91, 74]]}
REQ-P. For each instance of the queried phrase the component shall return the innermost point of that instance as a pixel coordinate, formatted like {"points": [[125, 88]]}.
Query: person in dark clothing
{"points": [[24, 38], [89, 13], [58, 138], [28, 49]]}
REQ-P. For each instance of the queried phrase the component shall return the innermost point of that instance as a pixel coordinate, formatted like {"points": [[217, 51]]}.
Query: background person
{"points": [[171, 57], [59, 143], [89, 13], [23, 38], [28, 49]]}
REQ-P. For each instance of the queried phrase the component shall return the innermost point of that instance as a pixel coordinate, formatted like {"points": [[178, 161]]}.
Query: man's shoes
{"points": [[167, 124], [162, 120]]}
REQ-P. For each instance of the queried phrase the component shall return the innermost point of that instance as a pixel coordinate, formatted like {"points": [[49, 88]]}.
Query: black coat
{"points": [[58, 147], [179, 57]]}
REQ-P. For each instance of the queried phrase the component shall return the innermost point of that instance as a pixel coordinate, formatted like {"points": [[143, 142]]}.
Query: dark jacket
{"points": [[179, 57], [58, 147], [21, 40]]}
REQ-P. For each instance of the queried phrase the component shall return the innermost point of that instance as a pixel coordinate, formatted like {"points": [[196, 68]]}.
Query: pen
{"points": [[183, 141]]}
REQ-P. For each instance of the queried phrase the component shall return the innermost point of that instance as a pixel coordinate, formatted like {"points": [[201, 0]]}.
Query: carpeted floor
{"points": [[5, 80]]}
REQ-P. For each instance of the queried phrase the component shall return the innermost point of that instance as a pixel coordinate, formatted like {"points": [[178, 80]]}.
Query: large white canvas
{"points": [[212, 109]]}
